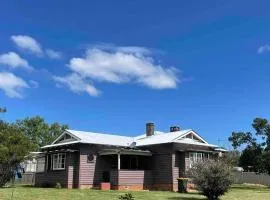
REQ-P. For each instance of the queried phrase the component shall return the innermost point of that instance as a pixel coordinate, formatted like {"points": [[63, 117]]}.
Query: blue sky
{"points": [[111, 66]]}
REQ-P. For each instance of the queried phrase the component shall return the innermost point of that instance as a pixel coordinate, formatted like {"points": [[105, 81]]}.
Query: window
{"points": [[30, 165], [134, 162], [58, 161], [195, 157]]}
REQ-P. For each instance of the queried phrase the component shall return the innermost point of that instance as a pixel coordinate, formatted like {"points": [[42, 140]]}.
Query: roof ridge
{"points": [[88, 132]]}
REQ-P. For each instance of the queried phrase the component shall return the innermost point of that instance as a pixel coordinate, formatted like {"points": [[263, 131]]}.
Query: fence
{"points": [[252, 178], [28, 178]]}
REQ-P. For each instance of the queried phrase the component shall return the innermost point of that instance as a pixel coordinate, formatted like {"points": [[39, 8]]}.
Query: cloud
{"points": [[27, 43], [77, 84], [13, 60], [12, 85], [54, 54], [264, 49], [124, 65], [124, 49], [33, 84], [30, 44]]}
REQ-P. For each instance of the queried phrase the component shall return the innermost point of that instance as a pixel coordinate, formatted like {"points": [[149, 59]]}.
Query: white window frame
{"points": [[57, 160], [197, 157]]}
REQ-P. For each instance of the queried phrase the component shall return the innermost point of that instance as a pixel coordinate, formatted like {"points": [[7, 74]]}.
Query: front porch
{"points": [[129, 169]]}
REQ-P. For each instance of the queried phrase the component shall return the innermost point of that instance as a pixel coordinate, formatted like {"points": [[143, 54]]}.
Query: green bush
{"points": [[127, 196], [212, 178]]}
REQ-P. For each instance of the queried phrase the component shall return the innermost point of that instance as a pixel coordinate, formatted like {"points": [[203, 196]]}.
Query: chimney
{"points": [[150, 128], [174, 128]]}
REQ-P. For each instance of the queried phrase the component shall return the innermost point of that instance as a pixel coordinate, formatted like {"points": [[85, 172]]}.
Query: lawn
{"points": [[238, 192]]}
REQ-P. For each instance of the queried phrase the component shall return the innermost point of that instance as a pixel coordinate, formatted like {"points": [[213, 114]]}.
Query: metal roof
{"points": [[125, 141]]}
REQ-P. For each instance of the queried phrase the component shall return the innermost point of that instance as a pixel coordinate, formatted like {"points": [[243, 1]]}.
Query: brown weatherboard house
{"points": [[151, 161]]}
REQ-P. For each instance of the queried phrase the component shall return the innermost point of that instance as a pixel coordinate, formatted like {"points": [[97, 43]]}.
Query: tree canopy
{"points": [[14, 146], [39, 132], [19, 138], [256, 154]]}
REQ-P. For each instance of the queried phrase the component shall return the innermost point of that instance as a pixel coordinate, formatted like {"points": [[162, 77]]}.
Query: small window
{"points": [[58, 161]]}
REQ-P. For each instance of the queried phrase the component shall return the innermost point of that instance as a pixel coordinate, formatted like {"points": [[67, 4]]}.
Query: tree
{"points": [[255, 155], [39, 132], [212, 178], [231, 158], [251, 159], [14, 146]]}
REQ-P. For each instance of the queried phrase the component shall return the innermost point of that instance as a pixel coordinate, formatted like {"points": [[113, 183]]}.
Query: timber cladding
{"points": [[165, 166], [67, 177]]}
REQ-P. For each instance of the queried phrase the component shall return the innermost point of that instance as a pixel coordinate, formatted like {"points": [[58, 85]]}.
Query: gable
{"points": [[65, 137], [192, 136]]}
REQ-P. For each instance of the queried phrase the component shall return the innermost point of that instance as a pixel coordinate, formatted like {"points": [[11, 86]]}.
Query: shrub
{"points": [[212, 178], [58, 186], [127, 196]]}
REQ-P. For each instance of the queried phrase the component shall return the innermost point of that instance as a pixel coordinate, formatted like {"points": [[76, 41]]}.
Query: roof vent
{"points": [[174, 128], [150, 128]]}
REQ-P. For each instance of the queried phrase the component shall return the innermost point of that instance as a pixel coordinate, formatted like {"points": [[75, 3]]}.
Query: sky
{"points": [[112, 66]]}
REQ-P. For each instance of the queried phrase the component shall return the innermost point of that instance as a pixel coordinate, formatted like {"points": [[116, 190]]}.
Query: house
{"points": [[29, 167], [153, 161]]}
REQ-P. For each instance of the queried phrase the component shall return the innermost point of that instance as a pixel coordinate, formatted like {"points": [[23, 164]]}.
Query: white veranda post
{"points": [[119, 161]]}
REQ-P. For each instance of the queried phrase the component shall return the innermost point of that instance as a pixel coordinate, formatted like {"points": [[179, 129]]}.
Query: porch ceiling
{"points": [[125, 152]]}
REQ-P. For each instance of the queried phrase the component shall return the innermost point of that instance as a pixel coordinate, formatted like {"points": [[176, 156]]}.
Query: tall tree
{"points": [[39, 132], [14, 146], [256, 154]]}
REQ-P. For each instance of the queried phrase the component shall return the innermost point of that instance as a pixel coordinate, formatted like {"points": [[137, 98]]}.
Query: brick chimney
{"points": [[150, 128], [174, 128]]}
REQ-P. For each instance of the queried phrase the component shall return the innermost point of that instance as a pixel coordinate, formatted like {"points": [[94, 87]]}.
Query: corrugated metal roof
{"points": [[125, 141]]}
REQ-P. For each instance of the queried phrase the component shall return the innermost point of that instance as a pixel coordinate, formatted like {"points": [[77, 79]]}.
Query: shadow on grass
{"points": [[26, 186], [249, 187]]}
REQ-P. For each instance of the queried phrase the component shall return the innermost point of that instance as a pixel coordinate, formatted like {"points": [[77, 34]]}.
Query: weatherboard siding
{"points": [[135, 177], [67, 177], [91, 172], [166, 164], [86, 169]]}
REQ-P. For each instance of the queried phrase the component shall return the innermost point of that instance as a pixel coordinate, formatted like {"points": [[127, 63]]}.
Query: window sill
{"points": [[63, 169]]}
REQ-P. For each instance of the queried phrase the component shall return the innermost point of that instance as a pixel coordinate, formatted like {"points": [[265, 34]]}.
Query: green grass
{"points": [[238, 192]]}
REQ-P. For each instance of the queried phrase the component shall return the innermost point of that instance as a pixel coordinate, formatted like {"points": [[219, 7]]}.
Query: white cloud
{"points": [[264, 49], [124, 65], [30, 44], [27, 43], [77, 84], [13, 60], [54, 54], [12, 85]]}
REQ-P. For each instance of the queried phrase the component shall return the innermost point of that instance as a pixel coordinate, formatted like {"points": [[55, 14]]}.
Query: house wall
{"points": [[90, 173], [132, 179], [159, 177], [67, 177], [162, 171], [167, 163]]}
